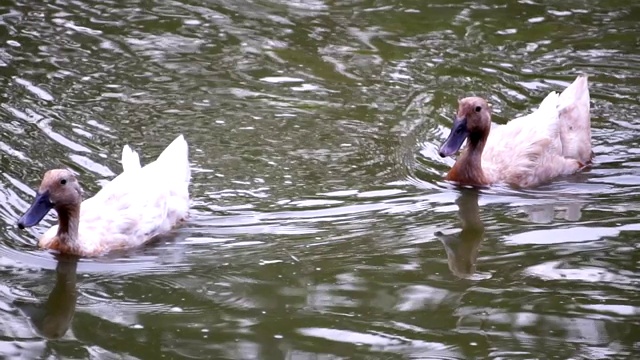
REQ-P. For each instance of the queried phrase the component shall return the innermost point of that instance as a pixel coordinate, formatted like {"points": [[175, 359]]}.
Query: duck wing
{"points": [[553, 140], [141, 203]]}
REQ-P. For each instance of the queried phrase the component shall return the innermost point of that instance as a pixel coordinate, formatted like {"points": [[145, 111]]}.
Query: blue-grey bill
{"points": [[38, 210], [456, 138]]}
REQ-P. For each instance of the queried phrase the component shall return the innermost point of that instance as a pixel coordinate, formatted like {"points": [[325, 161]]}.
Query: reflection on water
{"points": [[321, 226], [462, 248], [53, 318]]}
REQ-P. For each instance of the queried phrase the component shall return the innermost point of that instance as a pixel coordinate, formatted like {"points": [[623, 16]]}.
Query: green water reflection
{"points": [[321, 227]]}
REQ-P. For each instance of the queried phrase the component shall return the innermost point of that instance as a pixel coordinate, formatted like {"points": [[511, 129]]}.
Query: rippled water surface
{"points": [[321, 227]]}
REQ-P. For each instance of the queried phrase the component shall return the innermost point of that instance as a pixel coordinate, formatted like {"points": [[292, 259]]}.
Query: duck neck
{"points": [[468, 168], [68, 224]]}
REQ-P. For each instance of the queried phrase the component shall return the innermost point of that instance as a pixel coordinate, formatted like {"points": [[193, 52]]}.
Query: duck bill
{"points": [[457, 136], [39, 208]]}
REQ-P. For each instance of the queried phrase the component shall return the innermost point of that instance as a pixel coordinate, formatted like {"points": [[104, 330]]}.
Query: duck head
{"points": [[473, 122], [59, 190]]}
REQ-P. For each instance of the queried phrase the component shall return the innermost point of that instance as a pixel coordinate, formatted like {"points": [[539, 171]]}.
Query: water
{"points": [[321, 227]]}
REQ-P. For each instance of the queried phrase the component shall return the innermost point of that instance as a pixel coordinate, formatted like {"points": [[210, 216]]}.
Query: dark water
{"points": [[321, 227]]}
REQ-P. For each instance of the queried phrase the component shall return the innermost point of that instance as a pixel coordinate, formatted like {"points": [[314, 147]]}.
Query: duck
{"points": [[135, 207], [552, 141]]}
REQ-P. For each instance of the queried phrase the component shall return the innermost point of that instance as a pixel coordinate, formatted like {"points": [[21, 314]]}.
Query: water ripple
{"points": [[321, 225]]}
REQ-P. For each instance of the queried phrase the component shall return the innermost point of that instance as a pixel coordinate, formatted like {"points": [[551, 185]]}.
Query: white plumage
{"points": [[553, 140], [544, 144], [136, 206]]}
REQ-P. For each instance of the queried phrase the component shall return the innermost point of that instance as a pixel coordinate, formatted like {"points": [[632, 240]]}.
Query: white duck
{"points": [[553, 140], [136, 206]]}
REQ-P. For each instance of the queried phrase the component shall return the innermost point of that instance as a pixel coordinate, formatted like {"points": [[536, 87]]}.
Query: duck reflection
{"points": [[462, 248], [52, 319], [547, 213]]}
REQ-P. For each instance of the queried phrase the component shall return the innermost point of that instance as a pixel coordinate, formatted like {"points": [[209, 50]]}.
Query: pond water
{"points": [[321, 227]]}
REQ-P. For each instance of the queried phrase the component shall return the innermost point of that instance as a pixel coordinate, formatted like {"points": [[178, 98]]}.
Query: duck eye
{"points": [[478, 108], [63, 181]]}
